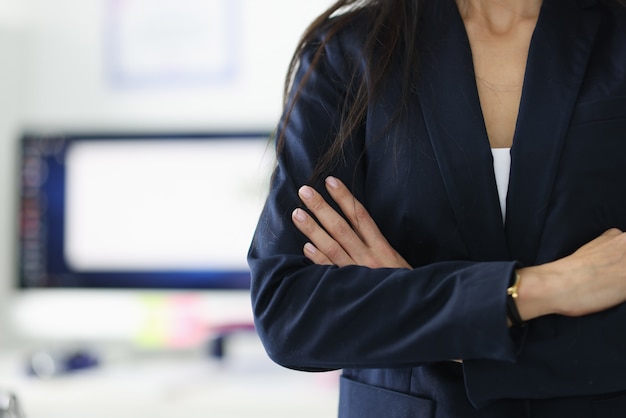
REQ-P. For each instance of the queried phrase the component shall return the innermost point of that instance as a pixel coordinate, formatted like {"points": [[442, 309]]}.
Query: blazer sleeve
{"points": [[562, 357], [316, 317]]}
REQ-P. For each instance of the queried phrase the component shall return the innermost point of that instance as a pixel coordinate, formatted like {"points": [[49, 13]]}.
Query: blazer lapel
{"points": [[453, 117], [560, 48], [557, 61]]}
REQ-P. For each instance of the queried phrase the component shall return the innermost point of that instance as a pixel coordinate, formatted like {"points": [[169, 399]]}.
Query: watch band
{"points": [[511, 306]]}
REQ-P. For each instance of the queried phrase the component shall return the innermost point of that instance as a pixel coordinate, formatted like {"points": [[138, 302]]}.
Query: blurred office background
{"points": [[142, 67]]}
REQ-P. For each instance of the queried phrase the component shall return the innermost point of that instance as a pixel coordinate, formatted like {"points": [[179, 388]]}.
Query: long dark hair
{"points": [[393, 25], [394, 29]]}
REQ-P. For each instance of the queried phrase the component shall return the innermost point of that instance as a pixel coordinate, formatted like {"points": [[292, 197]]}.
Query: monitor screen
{"points": [[140, 211]]}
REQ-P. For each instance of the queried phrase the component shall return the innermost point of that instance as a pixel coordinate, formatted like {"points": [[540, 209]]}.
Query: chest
{"points": [[499, 67]]}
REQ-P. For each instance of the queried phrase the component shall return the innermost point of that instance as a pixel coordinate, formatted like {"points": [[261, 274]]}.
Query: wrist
{"points": [[537, 292]]}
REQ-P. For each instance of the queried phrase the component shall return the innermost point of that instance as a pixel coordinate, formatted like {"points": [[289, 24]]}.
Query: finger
{"points": [[356, 213], [606, 236], [336, 226], [608, 240], [613, 232], [315, 255], [320, 238]]}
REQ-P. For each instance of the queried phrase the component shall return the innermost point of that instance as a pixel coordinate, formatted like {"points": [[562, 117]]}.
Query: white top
{"points": [[502, 169]]}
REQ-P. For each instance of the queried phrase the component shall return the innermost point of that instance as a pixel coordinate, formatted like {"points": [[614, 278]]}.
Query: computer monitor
{"points": [[136, 237], [140, 210]]}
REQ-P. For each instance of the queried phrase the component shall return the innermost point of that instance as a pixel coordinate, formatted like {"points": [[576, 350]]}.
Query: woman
{"points": [[458, 248]]}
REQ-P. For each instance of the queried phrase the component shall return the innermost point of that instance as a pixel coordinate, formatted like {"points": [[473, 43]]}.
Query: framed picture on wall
{"points": [[172, 42]]}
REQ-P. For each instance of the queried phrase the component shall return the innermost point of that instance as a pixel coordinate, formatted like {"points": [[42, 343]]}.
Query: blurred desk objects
{"points": [[9, 406], [194, 383]]}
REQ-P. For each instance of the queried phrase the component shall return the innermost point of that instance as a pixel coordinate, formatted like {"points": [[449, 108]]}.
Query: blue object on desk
{"points": [[46, 364], [216, 347]]}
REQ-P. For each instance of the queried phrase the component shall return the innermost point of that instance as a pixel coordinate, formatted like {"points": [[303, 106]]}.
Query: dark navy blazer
{"points": [[428, 182]]}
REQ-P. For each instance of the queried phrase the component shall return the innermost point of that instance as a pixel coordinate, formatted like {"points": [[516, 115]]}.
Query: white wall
{"points": [[54, 75], [12, 40], [68, 59]]}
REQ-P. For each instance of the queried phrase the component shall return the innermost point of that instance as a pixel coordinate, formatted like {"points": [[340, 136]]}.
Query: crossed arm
{"points": [[592, 279]]}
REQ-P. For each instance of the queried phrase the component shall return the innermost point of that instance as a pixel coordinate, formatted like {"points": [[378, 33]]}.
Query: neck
{"points": [[499, 16]]}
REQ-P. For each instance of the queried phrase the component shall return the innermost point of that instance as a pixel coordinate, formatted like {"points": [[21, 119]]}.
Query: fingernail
{"points": [[310, 248], [305, 192], [299, 215], [332, 182]]}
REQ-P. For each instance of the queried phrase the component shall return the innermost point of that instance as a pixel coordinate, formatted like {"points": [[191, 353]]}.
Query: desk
{"points": [[159, 385]]}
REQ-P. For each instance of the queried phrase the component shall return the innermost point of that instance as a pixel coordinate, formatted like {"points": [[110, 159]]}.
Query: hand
{"points": [[592, 279], [357, 241], [598, 280]]}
